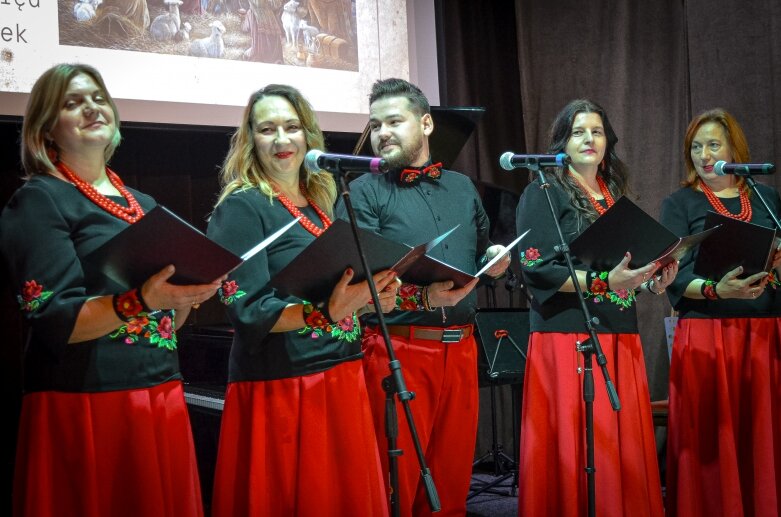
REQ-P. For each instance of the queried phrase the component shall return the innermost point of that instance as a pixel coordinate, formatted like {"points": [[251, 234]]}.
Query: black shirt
{"points": [[241, 221], [47, 229], [416, 213], [683, 212], [545, 270]]}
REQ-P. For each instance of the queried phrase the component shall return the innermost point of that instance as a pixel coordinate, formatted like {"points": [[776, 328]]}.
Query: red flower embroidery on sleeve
{"points": [[32, 296], [598, 287]]}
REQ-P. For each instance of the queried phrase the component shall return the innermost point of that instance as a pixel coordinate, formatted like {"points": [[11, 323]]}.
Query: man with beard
{"points": [[431, 327]]}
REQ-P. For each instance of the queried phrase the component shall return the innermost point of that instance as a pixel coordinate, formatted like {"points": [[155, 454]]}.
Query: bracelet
{"points": [[708, 290], [315, 317], [426, 302], [323, 308], [130, 305], [648, 285], [597, 282], [411, 298]]}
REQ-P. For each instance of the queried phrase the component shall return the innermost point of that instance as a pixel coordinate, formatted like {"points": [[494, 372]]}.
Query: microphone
{"points": [[316, 160], [509, 161], [743, 169]]}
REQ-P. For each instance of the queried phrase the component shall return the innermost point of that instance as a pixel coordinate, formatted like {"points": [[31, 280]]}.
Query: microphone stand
{"points": [[393, 384], [588, 348], [752, 183]]}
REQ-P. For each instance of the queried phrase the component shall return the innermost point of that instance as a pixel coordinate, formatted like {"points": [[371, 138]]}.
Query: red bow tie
{"points": [[433, 171]]}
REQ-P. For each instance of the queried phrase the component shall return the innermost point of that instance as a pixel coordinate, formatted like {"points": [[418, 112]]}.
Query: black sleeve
{"points": [[675, 217], [253, 307], [543, 269], [45, 270]]}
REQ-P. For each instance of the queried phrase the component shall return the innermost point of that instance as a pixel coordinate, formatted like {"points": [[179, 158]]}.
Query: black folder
{"points": [[626, 227], [736, 243], [313, 274], [160, 238]]}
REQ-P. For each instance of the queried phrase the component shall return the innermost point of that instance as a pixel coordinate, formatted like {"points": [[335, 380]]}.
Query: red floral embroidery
{"points": [[709, 290], [347, 324], [136, 325], [230, 292], [32, 296], [31, 291], [229, 288], [128, 304], [530, 257], [408, 305], [317, 325], [408, 290], [317, 319], [158, 332], [598, 287], [165, 328]]}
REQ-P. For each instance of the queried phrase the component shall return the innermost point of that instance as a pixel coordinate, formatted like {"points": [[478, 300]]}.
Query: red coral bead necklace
{"points": [[715, 202], [131, 213], [605, 193], [305, 221]]}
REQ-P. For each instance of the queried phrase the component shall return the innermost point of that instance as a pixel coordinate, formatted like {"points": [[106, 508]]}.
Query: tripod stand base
{"points": [[486, 483]]}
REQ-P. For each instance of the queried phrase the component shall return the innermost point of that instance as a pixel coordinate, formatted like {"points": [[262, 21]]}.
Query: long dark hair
{"points": [[612, 169]]}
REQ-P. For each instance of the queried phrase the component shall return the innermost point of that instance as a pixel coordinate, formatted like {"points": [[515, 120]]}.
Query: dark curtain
{"points": [[652, 65]]}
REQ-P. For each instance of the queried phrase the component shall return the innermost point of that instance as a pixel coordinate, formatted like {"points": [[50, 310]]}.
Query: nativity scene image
{"points": [[312, 33]]}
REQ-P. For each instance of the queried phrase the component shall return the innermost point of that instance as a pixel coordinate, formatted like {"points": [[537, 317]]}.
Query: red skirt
{"points": [[553, 438], [724, 429], [298, 447], [116, 453]]}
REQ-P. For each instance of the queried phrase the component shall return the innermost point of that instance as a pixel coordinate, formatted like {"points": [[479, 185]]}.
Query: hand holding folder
{"points": [[314, 272], [161, 238], [736, 243], [626, 227]]}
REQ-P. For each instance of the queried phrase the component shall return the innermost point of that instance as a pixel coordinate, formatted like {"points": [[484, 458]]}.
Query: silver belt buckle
{"points": [[452, 335]]}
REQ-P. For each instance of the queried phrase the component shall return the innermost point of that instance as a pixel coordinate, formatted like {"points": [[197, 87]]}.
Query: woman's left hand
{"points": [[668, 272], [387, 299], [777, 259]]}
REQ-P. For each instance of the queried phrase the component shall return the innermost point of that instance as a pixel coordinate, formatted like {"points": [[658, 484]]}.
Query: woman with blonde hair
{"points": [[297, 435]]}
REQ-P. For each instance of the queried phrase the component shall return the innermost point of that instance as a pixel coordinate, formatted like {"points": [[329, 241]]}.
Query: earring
{"points": [[51, 153]]}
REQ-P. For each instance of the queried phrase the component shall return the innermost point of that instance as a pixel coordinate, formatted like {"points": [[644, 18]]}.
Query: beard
{"points": [[404, 154]]}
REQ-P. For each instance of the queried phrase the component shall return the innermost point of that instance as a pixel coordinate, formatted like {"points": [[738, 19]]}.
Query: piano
{"points": [[203, 360]]}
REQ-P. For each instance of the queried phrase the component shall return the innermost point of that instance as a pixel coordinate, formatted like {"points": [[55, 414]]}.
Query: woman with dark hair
{"points": [[104, 428], [724, 427], [553, 447], [297, 436]]}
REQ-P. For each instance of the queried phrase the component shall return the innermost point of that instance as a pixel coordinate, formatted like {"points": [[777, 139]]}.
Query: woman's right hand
{"points": [[346, 299], [158, 293], [621, 277], [730, 286]]}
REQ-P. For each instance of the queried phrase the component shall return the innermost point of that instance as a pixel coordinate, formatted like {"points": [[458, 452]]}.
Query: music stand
{"points": [[503, 336]]}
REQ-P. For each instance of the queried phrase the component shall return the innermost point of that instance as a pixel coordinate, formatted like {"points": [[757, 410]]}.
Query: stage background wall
{"points": [[651, 65]]}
